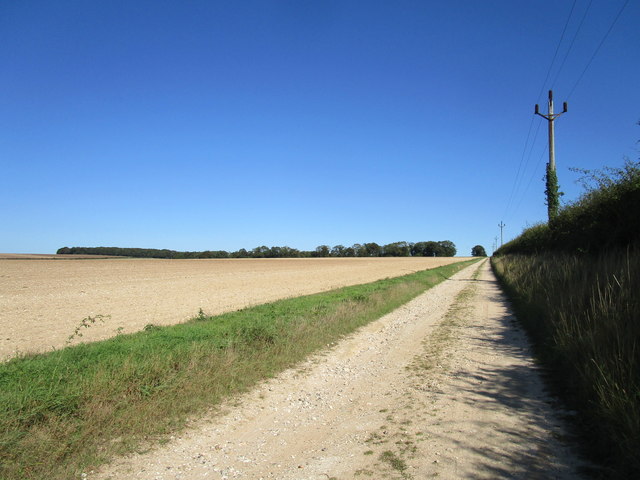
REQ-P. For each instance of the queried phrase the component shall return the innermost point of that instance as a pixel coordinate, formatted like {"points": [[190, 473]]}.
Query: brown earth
{"points": [[443, 387], [43, 299]]}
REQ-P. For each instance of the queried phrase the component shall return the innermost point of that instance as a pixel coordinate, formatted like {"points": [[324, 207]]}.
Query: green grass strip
{"points": [[65, 412]]}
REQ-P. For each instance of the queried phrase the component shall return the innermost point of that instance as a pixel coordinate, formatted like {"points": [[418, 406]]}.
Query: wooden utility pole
{"points": [[501, 225], [552, 179]]}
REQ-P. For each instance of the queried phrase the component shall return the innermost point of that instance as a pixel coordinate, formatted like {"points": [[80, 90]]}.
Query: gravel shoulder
{"points": [[444, 387]]}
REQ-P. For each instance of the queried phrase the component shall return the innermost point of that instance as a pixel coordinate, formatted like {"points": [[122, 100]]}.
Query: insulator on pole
{"points": [[551, 166]]}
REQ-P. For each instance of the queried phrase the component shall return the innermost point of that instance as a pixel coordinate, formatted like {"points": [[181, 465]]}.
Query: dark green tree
{"points": [[242, 253], [422, 249], [432, 249], [397, 249], [322, 251], [447, 248], [359, 250], [478, 251], [372, 249], [260, 252], [349, 252]]}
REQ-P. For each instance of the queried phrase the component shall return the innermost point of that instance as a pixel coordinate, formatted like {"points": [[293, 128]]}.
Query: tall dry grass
{"points": [[583, 313]]}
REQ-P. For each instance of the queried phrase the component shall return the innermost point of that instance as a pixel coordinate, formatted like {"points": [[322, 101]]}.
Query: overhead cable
{"points": [[517, 179], [575, 35], [597, 49]]}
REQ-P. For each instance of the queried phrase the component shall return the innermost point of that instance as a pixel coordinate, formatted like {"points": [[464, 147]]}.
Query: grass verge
{"points": [[583, 313], [65, 412]]}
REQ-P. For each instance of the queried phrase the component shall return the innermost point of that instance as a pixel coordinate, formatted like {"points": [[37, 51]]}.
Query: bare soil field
{"points": [[43, 300]]}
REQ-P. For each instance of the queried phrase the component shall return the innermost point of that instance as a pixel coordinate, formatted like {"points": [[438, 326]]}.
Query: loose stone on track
{"points": [[365, 408]]}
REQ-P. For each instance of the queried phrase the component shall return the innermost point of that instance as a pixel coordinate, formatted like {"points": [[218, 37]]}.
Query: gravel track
{"points": [[440, 388]]}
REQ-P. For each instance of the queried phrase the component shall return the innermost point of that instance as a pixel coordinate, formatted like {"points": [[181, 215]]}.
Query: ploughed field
{"points": [[44, 299]]}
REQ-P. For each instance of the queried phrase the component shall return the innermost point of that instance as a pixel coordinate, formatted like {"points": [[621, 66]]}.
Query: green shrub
{"points": [[606, 216]]}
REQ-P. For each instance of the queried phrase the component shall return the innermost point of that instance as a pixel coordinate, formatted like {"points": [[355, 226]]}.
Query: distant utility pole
{"points": [[501, 225], [553, 196]]}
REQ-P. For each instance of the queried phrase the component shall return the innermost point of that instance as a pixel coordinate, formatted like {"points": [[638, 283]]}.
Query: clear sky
{"points": [[220, 125]]}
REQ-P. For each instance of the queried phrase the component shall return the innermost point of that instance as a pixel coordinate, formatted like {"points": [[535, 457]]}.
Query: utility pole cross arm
{"points": [[501, 225], [551, 178]]}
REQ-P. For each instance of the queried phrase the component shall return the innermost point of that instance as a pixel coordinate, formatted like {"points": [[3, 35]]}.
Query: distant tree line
{"points": [[443, 248]]}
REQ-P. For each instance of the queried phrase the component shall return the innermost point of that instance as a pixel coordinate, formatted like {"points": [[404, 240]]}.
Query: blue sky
{"points": [[207, 125]]}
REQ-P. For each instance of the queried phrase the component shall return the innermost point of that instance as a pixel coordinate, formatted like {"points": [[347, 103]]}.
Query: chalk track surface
{"points": [[397, 400], [44, 298]]}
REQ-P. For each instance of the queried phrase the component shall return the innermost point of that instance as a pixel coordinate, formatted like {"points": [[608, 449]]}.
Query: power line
{"points": [[575, 35], [566, 24], [576, 83], [517, 179], [598, 48], [525, 159], [552, 185], [535, 170], [515, 182]]}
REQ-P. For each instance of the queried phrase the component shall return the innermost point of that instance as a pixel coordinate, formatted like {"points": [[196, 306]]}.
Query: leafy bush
{"points": [[607, 215]]}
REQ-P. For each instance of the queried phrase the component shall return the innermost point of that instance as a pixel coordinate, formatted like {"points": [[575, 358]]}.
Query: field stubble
{"points": [[42, 301]]}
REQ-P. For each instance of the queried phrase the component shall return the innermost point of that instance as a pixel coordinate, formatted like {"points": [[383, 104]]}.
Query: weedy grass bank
{"points": [[583, 313], [65, 412]]}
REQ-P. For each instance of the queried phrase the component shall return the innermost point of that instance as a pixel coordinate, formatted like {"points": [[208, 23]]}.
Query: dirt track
{"points": [[370, 408], [42, 301]]}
